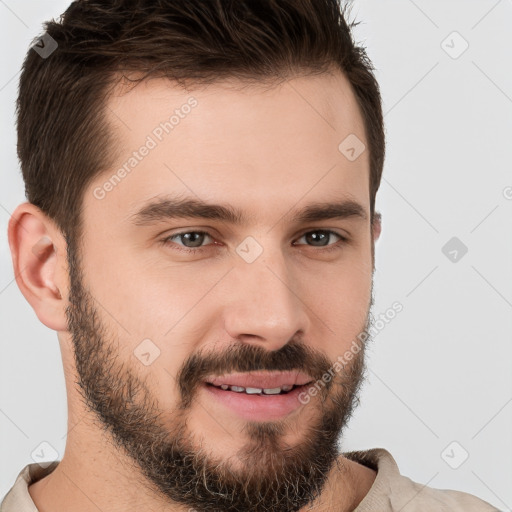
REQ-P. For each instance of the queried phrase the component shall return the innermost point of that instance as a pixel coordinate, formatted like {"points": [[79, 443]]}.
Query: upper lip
{"points": [[261, 380]]}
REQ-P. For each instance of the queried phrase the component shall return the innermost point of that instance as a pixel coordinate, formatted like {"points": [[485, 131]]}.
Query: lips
{"points": [[257, 404], [261, 380]]}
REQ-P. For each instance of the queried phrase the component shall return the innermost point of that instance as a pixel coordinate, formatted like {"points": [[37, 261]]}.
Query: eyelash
{"points": [[332, 247]]}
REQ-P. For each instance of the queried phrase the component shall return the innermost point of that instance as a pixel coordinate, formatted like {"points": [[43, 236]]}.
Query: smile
{"points": [[257, 391]]}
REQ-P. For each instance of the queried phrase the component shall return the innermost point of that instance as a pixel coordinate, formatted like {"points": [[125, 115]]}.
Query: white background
{"points": [[441, 370]]}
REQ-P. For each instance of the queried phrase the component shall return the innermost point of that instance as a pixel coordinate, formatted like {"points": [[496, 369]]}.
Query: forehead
{"points": [[263, 148]]}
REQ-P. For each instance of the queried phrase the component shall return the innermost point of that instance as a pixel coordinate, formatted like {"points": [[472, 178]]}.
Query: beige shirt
{"points": [[390, 492]]}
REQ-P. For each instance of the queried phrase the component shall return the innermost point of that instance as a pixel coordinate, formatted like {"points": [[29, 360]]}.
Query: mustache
{"points": [[243, 357]]}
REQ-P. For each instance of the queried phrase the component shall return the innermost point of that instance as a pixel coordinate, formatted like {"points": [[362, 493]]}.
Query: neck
{"points": [[348, 483]]}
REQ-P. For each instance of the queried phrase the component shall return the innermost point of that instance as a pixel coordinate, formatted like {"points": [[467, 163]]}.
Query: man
{"points": [[200, 227]]}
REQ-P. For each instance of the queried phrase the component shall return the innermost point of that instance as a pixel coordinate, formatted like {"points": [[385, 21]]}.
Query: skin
{"points": [[267, 152]]}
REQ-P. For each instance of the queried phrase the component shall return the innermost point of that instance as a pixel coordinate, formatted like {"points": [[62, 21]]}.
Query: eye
{"points": [[194, 238], [320, 238], [192, 241]]}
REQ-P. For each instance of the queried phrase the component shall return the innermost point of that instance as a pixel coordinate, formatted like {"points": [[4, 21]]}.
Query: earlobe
{"points": [[37, 250]]}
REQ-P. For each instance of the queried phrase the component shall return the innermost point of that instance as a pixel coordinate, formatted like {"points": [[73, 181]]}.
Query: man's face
{"points": [[157, 317]]}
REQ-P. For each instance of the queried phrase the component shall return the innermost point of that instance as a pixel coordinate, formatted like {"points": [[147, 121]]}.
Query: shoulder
{"points": [[18, 498], [392, 491]]}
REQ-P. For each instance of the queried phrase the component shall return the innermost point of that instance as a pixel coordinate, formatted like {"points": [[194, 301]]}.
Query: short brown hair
{"points": [[63, 138]]}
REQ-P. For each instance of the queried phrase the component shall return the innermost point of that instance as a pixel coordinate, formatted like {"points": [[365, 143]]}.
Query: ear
{"points": [[38, 252], [376, 226]]}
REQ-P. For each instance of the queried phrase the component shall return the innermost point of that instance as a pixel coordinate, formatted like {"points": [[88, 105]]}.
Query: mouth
{"points": [[282, 390], [258, 396], [260, 382]]}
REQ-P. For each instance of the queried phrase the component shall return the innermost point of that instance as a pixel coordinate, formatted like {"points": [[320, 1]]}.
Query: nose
{"points": [[266, 303]]}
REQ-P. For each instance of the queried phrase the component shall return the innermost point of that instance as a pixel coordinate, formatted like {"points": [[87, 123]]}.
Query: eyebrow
{"points": [[169, 208]]}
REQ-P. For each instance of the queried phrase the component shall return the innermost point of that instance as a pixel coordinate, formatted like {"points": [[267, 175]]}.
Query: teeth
{"points": [[257, 391], [273, 391], [253, 391]]}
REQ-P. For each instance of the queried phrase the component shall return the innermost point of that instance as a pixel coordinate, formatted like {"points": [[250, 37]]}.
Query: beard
{"points": [[272, 475]]}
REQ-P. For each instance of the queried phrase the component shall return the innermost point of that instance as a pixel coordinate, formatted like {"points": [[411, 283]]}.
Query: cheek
{"points": [[160, 377], [339, 301], [150, 316], [144, 298]]}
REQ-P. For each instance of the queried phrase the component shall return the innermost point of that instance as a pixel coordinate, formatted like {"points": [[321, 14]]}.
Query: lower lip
{"points": [[258, 407]]}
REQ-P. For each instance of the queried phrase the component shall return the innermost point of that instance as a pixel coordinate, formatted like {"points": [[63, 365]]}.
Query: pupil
{"points": [[312, 237], [194, 235]]}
